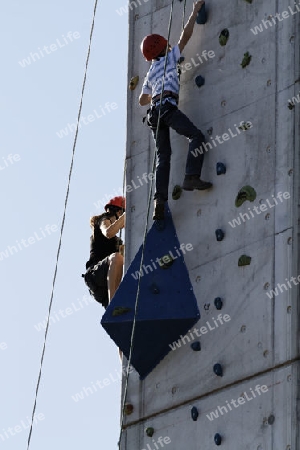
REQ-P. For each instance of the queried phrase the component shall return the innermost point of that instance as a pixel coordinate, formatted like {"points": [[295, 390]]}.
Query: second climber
{"points": [[105, 266]]}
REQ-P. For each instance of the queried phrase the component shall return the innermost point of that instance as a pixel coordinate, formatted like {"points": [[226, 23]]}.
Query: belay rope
{"points": [[62, 225], [144, 237]]}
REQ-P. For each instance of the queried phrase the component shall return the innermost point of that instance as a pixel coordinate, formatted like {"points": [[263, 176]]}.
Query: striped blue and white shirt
{"points": [[153, 82]]}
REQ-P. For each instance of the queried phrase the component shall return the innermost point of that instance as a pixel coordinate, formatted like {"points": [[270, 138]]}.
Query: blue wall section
{"points": [[167, 307]]}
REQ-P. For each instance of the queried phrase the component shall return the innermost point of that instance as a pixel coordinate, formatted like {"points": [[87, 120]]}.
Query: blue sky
{"points": [[38, 99]]}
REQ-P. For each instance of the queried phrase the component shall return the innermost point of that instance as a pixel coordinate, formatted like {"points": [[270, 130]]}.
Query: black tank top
{"points": [[101, 246]]}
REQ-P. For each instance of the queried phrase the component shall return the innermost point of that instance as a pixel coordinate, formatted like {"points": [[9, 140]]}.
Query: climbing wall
{"points": [[245, 369]]}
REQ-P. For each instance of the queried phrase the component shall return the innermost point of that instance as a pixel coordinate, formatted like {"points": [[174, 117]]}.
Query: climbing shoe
{"points": [[192, 182], [159, 209]]}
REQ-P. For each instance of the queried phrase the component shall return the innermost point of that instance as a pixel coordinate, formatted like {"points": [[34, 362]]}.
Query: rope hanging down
{"points": [[144, 238], [62, 224], [183, 14]]}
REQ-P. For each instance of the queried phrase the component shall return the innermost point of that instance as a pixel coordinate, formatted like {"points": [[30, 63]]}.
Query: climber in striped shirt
{"points": [[154, 48]]}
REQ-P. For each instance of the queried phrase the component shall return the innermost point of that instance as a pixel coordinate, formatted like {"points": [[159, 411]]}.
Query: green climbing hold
{"points": [[119, 310], [244, 260], [133, 83], [246, 60], [177, 191], [246, 193], [128, 409], [244, 126], [166, 261], [149, 431], [248, 1], [291, 105], [224, 36]]}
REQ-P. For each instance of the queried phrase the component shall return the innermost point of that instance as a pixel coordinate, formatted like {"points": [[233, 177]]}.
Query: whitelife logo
{"points": [[71, 127], [159, 443], [3, 346], [275, 292], [25, 243], [238, 402], [162, 261], [294, 100], [268, 23], [47, 50], [90, 390], [24, 425], [55, 317], [261, 208], [205, 146], [129, 188], [199, 332], [9, 160]]}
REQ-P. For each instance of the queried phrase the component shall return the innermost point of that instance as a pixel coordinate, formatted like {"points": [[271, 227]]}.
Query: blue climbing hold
{"points": [[220, 235], [200, 81], [161, 317], [194, 413], [218, 303], [221, 168], [218, 370], [218, 439], [196, 346]]}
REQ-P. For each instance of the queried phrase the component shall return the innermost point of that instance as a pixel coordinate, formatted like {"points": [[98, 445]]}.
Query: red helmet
{"points": [[120, 202], [153, 45]]}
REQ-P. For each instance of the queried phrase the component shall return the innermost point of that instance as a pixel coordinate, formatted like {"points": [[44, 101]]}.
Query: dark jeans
{"points": [[172, 117]]}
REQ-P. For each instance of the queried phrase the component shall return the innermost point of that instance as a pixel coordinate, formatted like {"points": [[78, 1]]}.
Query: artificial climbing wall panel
{"points": [[260, 338], [255, 421]]}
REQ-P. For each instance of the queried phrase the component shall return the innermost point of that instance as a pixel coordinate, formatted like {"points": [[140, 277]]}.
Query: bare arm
{"points": [[189, 27], [144, 99], [111, 229]]}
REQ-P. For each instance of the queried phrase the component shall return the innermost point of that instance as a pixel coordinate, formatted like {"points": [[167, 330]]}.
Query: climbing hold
{"points": [[128, 409], [218, 303], [244, 126], [218, 370], [218, 439], [196, 346], [154, 289], [245, 193], [219, 234], [244, 260], [271, 419], [221, 168], [291, 105], [181, 59], [200, 81], [177, 191], [166, 261], [194, 413], [224, 36], [149, 431], [133, 83], [248, 1], [246, 60], [202, 16], [119, 310]]}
